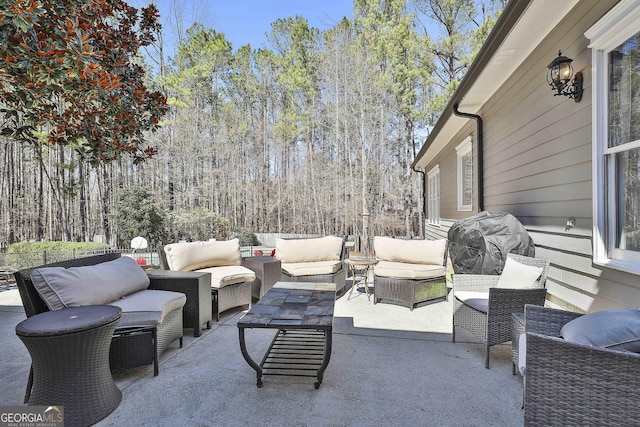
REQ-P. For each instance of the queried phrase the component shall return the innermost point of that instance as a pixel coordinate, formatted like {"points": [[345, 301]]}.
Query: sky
{"points": [[244, 21]]}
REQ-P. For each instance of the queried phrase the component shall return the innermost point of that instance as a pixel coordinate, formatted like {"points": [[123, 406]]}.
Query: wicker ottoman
{"points": [[69, 351]]}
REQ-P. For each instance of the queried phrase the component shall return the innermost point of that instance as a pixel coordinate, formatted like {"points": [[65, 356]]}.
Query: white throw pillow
{"points": [[516, 275]]}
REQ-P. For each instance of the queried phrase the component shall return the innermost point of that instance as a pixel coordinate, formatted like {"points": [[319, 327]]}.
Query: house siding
{"points": [[538, 167]]}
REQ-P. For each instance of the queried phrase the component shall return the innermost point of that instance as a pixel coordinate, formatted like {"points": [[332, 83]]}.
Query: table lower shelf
{"points": [[294, 352]]}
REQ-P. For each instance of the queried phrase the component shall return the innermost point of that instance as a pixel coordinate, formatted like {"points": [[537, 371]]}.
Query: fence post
{"points": [[44, 257]]}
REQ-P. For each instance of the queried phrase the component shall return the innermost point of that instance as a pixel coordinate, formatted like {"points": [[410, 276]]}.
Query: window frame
{"points": [[464, 148], [617, 26], [433, 200]]}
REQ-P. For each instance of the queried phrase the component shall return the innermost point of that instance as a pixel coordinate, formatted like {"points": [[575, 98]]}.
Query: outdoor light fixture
{"points": [[559, 78]]}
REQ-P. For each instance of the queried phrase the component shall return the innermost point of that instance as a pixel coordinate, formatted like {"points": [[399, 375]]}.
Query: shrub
{"points": [[246, 237], [33, 254]]}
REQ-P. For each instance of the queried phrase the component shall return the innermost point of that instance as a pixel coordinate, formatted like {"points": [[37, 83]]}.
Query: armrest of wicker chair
{"points": [[547, 321], [507, 301], [502, 304]]}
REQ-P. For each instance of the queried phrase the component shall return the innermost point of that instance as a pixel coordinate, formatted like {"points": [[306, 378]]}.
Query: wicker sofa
{"points": [[409, 272], [151, 320], [313, 260], [231, 282], [567, 383]]}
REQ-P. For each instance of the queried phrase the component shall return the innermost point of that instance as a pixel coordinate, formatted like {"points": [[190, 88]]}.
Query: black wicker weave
{"points": [[568, 384], [69, 350], [128, 344], [196, 286], [494, 327]]}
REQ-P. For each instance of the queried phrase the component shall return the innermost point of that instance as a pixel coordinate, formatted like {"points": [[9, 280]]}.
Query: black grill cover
{"points": [[480, 244]]}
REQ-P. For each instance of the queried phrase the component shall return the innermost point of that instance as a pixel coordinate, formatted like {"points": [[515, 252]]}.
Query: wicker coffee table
{"points": [[302, 313], [69, 351]]}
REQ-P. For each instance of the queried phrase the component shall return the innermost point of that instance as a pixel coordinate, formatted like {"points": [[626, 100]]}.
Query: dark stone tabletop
{"points": [[289, 305]]}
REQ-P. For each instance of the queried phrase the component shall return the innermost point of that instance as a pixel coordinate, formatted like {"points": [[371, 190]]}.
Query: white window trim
{"points": [[618, 25], [462, 150], [433, 217]]}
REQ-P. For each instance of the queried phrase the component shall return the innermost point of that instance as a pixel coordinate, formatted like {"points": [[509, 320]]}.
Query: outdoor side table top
{"points": [[268, 271], [303, 315], [69, 349]]}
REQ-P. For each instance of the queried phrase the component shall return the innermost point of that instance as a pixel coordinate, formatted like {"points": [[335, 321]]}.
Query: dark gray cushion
{"points": [[92, 284], [474, 299], [616, 329]]}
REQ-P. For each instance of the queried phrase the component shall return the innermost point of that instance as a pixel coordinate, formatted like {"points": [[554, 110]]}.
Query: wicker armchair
{"points": [[313, 260], [410, 272], [230, 282], [493, 326], [573, 384]]}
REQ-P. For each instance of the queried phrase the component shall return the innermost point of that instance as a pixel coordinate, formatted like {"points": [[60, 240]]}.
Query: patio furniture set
{"points": [[143, 313]]}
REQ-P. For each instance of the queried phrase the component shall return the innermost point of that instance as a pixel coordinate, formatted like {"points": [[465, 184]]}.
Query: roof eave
{"points": [[508, 19]]}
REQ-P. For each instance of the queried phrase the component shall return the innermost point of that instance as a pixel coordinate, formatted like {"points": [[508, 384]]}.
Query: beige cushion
{"points": [[516, 275], [327, 248], [196, 255], [311, 268], [228, 275], [410, 251], [102, 283], [403, 270], [148, 307]]}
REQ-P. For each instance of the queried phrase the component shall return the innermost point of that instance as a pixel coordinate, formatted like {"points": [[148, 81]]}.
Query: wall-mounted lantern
{"points": [[560, 79]]}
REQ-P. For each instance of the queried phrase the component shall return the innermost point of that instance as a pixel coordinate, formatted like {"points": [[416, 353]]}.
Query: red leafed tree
{"points": [[70, 75]]}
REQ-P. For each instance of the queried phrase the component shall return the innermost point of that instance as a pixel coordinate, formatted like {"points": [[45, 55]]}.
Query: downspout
{"points": [[424, 200], [480, 141]]}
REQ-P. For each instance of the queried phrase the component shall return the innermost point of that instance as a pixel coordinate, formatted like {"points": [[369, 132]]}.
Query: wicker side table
{"points": [[69, 351], [196, 286], [517, 328], [268, 271]]}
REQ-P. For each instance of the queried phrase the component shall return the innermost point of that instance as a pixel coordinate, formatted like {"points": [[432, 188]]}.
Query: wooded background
{"points": [[302, 136]]}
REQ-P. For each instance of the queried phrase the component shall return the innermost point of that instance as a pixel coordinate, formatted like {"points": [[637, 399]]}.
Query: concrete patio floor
{"points": [[389, 367]]}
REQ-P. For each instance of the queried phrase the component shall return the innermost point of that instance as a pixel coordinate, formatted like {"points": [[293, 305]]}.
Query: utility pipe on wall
{"points": [[478, 120]]}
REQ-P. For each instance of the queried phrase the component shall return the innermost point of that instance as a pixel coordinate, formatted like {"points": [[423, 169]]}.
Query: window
{"points": [[615, 44], [465, 175], [433, 195]]}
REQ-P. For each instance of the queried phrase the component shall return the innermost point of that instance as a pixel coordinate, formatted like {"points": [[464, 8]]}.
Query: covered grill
{"points": [[480, 244]]}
